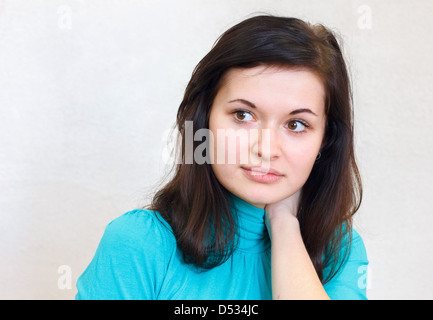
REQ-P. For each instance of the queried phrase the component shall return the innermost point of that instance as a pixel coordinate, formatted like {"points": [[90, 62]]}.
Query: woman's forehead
{"points": [[274, 88]]}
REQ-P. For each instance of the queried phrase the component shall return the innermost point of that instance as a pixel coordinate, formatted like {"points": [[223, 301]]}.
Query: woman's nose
{"points": [[267, 147]]}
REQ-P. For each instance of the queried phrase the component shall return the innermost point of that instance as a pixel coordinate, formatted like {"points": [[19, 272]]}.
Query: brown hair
{"points": [[198, 207]]}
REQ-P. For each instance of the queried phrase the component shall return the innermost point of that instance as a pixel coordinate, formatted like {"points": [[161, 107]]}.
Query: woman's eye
{"points": [[296, 125], [243, 116]]}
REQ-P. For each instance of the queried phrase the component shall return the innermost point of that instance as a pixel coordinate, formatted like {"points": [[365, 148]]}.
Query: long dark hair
{"points": [[198, 207]]}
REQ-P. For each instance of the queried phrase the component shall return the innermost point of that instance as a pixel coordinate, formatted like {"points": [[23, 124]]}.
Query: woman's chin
{"points": [[260, 199]]}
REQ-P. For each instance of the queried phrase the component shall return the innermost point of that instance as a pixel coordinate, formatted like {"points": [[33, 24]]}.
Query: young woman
{"points": [[268, 214]]}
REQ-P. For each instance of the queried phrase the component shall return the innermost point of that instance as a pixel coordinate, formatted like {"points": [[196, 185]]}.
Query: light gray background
{"points": [[89, 88]]}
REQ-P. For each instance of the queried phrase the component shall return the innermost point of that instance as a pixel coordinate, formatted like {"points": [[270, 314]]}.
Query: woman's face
{"points": [[268, 124]]}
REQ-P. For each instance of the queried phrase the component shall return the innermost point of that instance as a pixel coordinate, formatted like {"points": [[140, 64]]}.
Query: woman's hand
{"points": [[281, 215], [293, 273]]}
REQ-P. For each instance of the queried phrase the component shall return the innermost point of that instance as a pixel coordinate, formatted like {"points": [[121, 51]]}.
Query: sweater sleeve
{"points": [[130, 261], [350, 283]]}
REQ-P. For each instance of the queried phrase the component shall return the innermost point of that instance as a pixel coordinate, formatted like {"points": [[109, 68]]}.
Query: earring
{"points": [[318, 156]]}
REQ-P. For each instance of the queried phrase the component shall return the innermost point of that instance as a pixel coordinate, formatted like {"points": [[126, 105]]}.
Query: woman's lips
{"points": [[262, 175]]}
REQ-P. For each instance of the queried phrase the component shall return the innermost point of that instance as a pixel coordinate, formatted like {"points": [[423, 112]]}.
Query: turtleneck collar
{"points": [[252, 233]]}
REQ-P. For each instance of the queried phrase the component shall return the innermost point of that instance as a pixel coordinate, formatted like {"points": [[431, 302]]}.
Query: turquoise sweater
{"points": [[137, 258]]}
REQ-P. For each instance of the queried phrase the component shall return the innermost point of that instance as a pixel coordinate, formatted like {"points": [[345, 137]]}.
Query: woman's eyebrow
{"points": [[248, 103], [253, 106], [301, 110]]}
